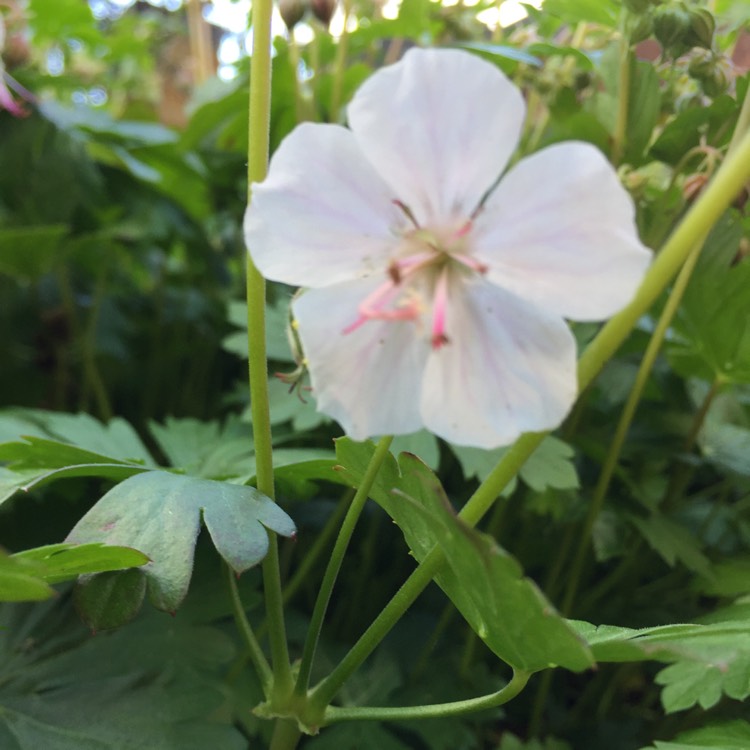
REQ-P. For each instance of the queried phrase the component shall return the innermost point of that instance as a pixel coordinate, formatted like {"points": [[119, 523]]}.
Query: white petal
{"points": [[323, 214], [368, 380], [440, 126], [508, 368], [559, 230]]}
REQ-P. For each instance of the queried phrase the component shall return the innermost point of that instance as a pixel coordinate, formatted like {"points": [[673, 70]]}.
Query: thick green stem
{"points": [[299, 100], [334, 564], [260, 114], [340, 64], [743, 124], [435, 711], [282, 671], [260, 118], [286, 735], [704, 214]]}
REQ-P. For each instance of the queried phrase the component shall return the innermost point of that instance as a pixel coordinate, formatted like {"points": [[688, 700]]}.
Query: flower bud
{"points": [[717, 83], [671, 27], [702, 27], [701, 65], [641, 29], [291, 12], [323, 10]]}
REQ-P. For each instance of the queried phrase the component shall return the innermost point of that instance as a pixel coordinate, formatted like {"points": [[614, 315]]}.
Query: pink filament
{"points": [[372, 307]]}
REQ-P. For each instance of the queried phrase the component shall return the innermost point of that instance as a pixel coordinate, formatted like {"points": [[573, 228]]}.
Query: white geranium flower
{"points": [[435, 298]]}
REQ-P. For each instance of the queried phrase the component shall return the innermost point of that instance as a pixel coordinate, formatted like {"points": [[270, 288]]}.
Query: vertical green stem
{"points": [[286, 735], [294, 58], [334, 564], [259, 124], [340, 65], [623, 94], [742, 125]]}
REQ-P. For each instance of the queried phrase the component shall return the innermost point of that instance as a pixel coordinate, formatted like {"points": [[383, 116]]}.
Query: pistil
{"points": [[439, 310]]}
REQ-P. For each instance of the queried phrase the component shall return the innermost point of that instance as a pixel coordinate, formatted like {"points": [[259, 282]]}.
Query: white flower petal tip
{"points": [[439, 126], [583, 260], [431, 302]]}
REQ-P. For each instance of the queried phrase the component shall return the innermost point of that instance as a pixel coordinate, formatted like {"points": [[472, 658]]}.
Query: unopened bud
{"points": [[323, 10], [291, 12], [701, 65], [717, 83], [672, 27], [641, 29], [702, 27]]}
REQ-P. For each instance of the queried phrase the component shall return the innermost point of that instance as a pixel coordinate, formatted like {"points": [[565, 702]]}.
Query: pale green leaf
{"points": [[160, 514]]}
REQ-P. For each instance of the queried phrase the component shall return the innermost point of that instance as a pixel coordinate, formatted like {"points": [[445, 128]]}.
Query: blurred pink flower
{"points": [[436, 295]]}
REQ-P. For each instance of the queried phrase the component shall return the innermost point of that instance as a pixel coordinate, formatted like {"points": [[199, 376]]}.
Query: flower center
{"points": [[418, 279]]}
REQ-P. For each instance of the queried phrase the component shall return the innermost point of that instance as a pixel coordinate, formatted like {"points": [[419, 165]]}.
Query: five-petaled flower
{"points": [[436, 295]]}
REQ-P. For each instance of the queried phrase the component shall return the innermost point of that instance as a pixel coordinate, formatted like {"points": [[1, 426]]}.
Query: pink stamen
{"points": [[439, 309], [464, 230], [407, 211], [372, 307], [412, 263], [470, 262]]}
